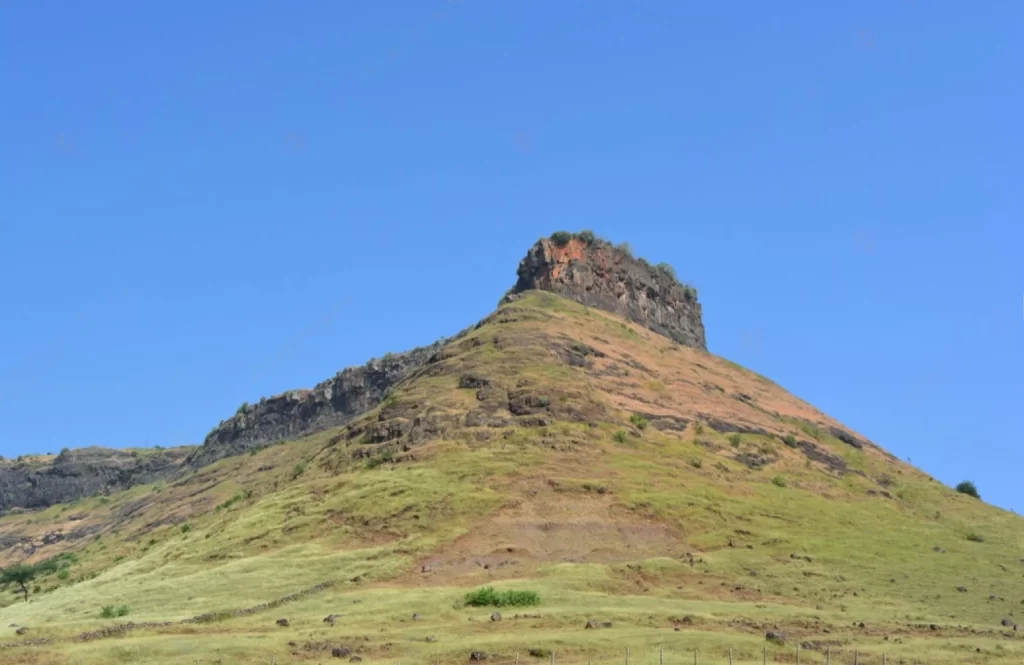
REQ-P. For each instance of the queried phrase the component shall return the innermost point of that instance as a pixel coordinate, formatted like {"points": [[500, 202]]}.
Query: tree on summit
{"points": [[968, 488]]}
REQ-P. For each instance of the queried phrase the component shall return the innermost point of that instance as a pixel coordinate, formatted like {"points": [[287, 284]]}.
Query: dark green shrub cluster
{"points": [[561, 238], [779, 481], [968, 488], [638, 421], [112, 611], [489, 597], [790, 441], [620, 436], [735, 440], [667, 269], [975, 537]]}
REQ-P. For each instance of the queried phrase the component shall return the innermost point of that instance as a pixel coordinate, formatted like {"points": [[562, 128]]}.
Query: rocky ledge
{"points": [[592, 272], [39, 482], [350, 393]]}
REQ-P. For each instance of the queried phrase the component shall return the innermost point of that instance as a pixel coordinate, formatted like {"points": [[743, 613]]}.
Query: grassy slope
{"points": [[633, 529]]}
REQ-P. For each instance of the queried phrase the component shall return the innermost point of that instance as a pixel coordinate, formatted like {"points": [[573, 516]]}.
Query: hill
{"points": [[579, 443]]}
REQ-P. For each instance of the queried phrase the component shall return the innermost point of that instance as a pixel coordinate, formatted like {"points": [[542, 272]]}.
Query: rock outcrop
{"points": [[75, 474], [594, 273], [350, 393]]}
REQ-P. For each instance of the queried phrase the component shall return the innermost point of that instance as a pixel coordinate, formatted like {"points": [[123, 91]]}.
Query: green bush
{"points": [[243, 408], [186, 527], [968, 488], [386, 457], [698, 427], [667, 269], [620, 436], [299, 469], [587, 236], [779, 481], [63, 574], [790, 441], [489, 597], [689, 293], [735, 439], [638, 421], [696, 463], [561, 238], [975, 537], [625, 248], [112, 611]]}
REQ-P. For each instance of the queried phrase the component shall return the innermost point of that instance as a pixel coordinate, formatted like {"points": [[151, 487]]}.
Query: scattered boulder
{"points": [[331, 618], [539, 653], [417, 616], [21, 631], [341, 652], [478, 655], [355, 659], [1006, 622], [933, 627], [939, 549], [431, 638], [282, 622], [775, 636], [962, 589], [496, 616]]}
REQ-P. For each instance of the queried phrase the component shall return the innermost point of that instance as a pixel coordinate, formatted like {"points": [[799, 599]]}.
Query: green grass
{"points": [[489, 597]]}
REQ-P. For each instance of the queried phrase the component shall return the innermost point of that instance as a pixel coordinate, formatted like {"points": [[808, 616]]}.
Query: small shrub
{"points": [[625, 249], [689, 293], [299, 469], [112, 611], [698, 427], [65, 451], [779, 481], [696, 463], [387, 457], [186, 527], [968, 488], [975, 537], [812, 430], [790, 441], [667, 269], [620, 436], [243, 408], [561, 238], [587, 236], [734, 440], [63, 574], [489, 597], [638, 421]]}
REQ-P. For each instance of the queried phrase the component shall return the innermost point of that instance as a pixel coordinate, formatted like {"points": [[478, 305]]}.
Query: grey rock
{"points": [[496, 616], [282, 622], [602, 276], [332, 403], [83, 472], [775, 636], [341, 652], [478, 655]]}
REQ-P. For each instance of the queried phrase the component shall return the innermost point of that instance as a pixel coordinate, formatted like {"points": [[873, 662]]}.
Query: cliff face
{"points": [[334, 402], [75, 474], [594, 273]]}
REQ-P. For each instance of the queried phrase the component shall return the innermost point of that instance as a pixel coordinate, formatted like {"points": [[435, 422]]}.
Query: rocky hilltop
{"points": [[578, 266], [595, 273], [38, 483]]}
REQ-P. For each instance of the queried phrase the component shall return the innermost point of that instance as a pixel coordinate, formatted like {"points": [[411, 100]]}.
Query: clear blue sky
{"points": [[206, 202]]}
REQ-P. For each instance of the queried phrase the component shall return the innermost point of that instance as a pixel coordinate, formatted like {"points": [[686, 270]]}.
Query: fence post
{"points": [[730, 656], [661, 656], [883, 659], [627, 655], [798, 655], [828, 655], [694, 657], [552, 657], [517, 658], [764, 656], [856, 655]]}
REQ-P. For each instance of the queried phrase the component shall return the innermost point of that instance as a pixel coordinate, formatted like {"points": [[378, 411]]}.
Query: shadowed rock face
{"points": [[351, 392], [75, 474], [599, 275]]}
